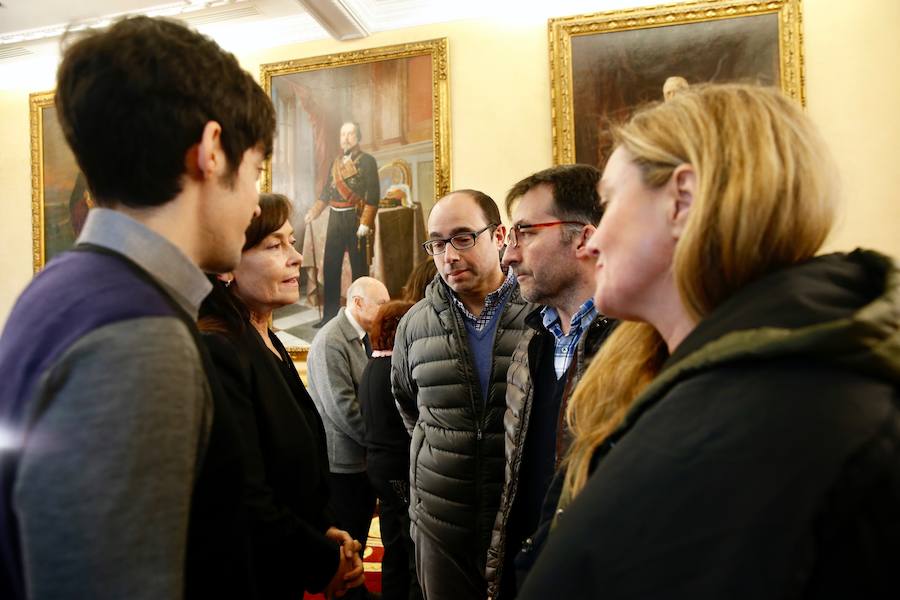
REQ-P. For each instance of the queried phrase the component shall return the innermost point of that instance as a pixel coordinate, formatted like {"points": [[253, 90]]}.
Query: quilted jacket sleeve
{"points": [[402, 384]]}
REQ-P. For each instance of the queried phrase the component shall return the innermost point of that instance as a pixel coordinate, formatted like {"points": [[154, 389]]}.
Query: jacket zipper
{"points": [[477, 413]]}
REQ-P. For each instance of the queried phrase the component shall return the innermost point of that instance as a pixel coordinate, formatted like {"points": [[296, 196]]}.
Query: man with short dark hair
{"points": [[351, 194], [448, 374], [554, 213], [123, 476]]}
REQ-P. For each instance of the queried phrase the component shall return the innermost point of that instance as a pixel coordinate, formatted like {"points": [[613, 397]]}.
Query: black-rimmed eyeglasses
{"points": [[460, 241], [512, 238]]}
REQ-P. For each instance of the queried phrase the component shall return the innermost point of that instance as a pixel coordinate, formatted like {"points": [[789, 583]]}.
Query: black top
{"points": [[385, 432], [539, 454], [286, 485], [538, 459]]}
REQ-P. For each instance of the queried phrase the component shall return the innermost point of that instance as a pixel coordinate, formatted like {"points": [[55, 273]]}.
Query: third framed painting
{"points": [[605, 65]]}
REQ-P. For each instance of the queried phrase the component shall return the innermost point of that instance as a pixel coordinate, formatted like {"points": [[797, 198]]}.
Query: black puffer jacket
{"points": [[456, 456], [519, 399], [763, 461]]}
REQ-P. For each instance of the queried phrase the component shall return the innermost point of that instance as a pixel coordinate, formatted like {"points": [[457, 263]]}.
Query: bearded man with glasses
{"points": [[448, 373], [554, 214]]}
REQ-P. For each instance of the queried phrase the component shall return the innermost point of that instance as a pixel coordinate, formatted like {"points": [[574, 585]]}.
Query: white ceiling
{"points": [[30, 30], [31, 16], [27, 23]]}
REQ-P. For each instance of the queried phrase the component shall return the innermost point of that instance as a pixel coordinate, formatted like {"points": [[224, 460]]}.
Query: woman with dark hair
{"points": [[296, 547], [387, 456], [419, 278]]}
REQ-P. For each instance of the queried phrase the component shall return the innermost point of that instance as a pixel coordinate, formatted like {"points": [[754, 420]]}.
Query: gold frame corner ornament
{"points": [[561, 30], [38, 101]]}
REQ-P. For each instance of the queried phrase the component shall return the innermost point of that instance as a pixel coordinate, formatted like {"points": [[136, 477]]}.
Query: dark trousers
{"points": [[341, 238], [353, 501], [449, 574], [389, 476]]}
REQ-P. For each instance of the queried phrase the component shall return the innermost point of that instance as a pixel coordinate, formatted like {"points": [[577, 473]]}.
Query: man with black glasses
{"points": [[451, 354], [554, 214]]}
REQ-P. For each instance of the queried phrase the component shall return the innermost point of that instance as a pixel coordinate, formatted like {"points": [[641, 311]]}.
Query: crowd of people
{"points": [[650, 385]]}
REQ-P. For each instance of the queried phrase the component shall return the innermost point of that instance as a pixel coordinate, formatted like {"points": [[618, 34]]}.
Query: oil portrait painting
{"points": [[362, 152]]}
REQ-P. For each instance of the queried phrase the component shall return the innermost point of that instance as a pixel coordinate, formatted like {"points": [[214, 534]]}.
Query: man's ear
{"points": [[207, 158], [500, 236], [581, 241], [683, 186]]}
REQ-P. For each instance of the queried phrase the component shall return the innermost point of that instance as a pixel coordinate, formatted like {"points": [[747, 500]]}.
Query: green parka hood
{"points": [[840, 309]]}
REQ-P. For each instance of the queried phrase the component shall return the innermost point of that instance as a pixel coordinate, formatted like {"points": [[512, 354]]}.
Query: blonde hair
{"points": [[765, 199]]}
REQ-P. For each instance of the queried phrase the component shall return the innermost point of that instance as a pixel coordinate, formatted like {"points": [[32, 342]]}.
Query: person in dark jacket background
{"points": [[387, 457], [286, 495], [554, 213], [739, 435]]}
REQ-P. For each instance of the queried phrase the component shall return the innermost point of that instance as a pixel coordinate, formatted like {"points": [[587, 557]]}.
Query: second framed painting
{"points": [[604, 65], [362, 138]]}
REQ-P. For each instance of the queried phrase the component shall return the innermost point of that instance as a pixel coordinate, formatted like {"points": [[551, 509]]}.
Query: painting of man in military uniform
{"points": [[351, 194], [362, 151]]}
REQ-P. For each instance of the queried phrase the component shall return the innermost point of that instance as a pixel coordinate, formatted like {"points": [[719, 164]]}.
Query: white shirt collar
{"points": [[356, 326]]}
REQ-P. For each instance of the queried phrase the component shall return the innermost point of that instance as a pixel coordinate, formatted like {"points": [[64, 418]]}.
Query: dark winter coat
{"points": [[519, 399], [286, 493], [456, 456], [763, 461]]}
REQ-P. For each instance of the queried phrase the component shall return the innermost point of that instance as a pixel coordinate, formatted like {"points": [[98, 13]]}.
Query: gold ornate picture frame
{"points": [[604, 65], [398, 96], [59, 196]]}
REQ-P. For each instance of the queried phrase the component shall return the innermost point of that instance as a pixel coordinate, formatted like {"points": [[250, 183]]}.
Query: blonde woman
{"points": [[739, 435]]}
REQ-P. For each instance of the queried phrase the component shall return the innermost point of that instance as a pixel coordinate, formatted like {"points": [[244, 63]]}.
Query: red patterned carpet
{"points": [[371, 561]]}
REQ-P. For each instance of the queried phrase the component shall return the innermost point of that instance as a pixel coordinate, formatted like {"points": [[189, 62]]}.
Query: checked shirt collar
{"points": [[492, 302]]}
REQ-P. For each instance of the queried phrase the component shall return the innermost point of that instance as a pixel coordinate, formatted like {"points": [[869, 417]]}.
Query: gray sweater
{"points": [[104, 485], [114, 416]]}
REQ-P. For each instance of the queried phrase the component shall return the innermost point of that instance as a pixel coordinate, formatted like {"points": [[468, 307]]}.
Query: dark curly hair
{"points": [[132, 99]]}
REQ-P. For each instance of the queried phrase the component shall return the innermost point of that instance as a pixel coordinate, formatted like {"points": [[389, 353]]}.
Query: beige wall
{"points": [[15, 198], [500, 116]]}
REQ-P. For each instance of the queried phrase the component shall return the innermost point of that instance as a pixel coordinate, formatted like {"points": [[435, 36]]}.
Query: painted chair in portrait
{"points": [[399, 227]]}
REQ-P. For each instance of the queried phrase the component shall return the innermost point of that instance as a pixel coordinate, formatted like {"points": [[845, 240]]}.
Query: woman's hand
{"points": [[349, 545], [350, 572]]}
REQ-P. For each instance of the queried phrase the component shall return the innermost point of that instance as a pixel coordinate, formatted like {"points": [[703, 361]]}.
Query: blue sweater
{"points": [[481, 343]]}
